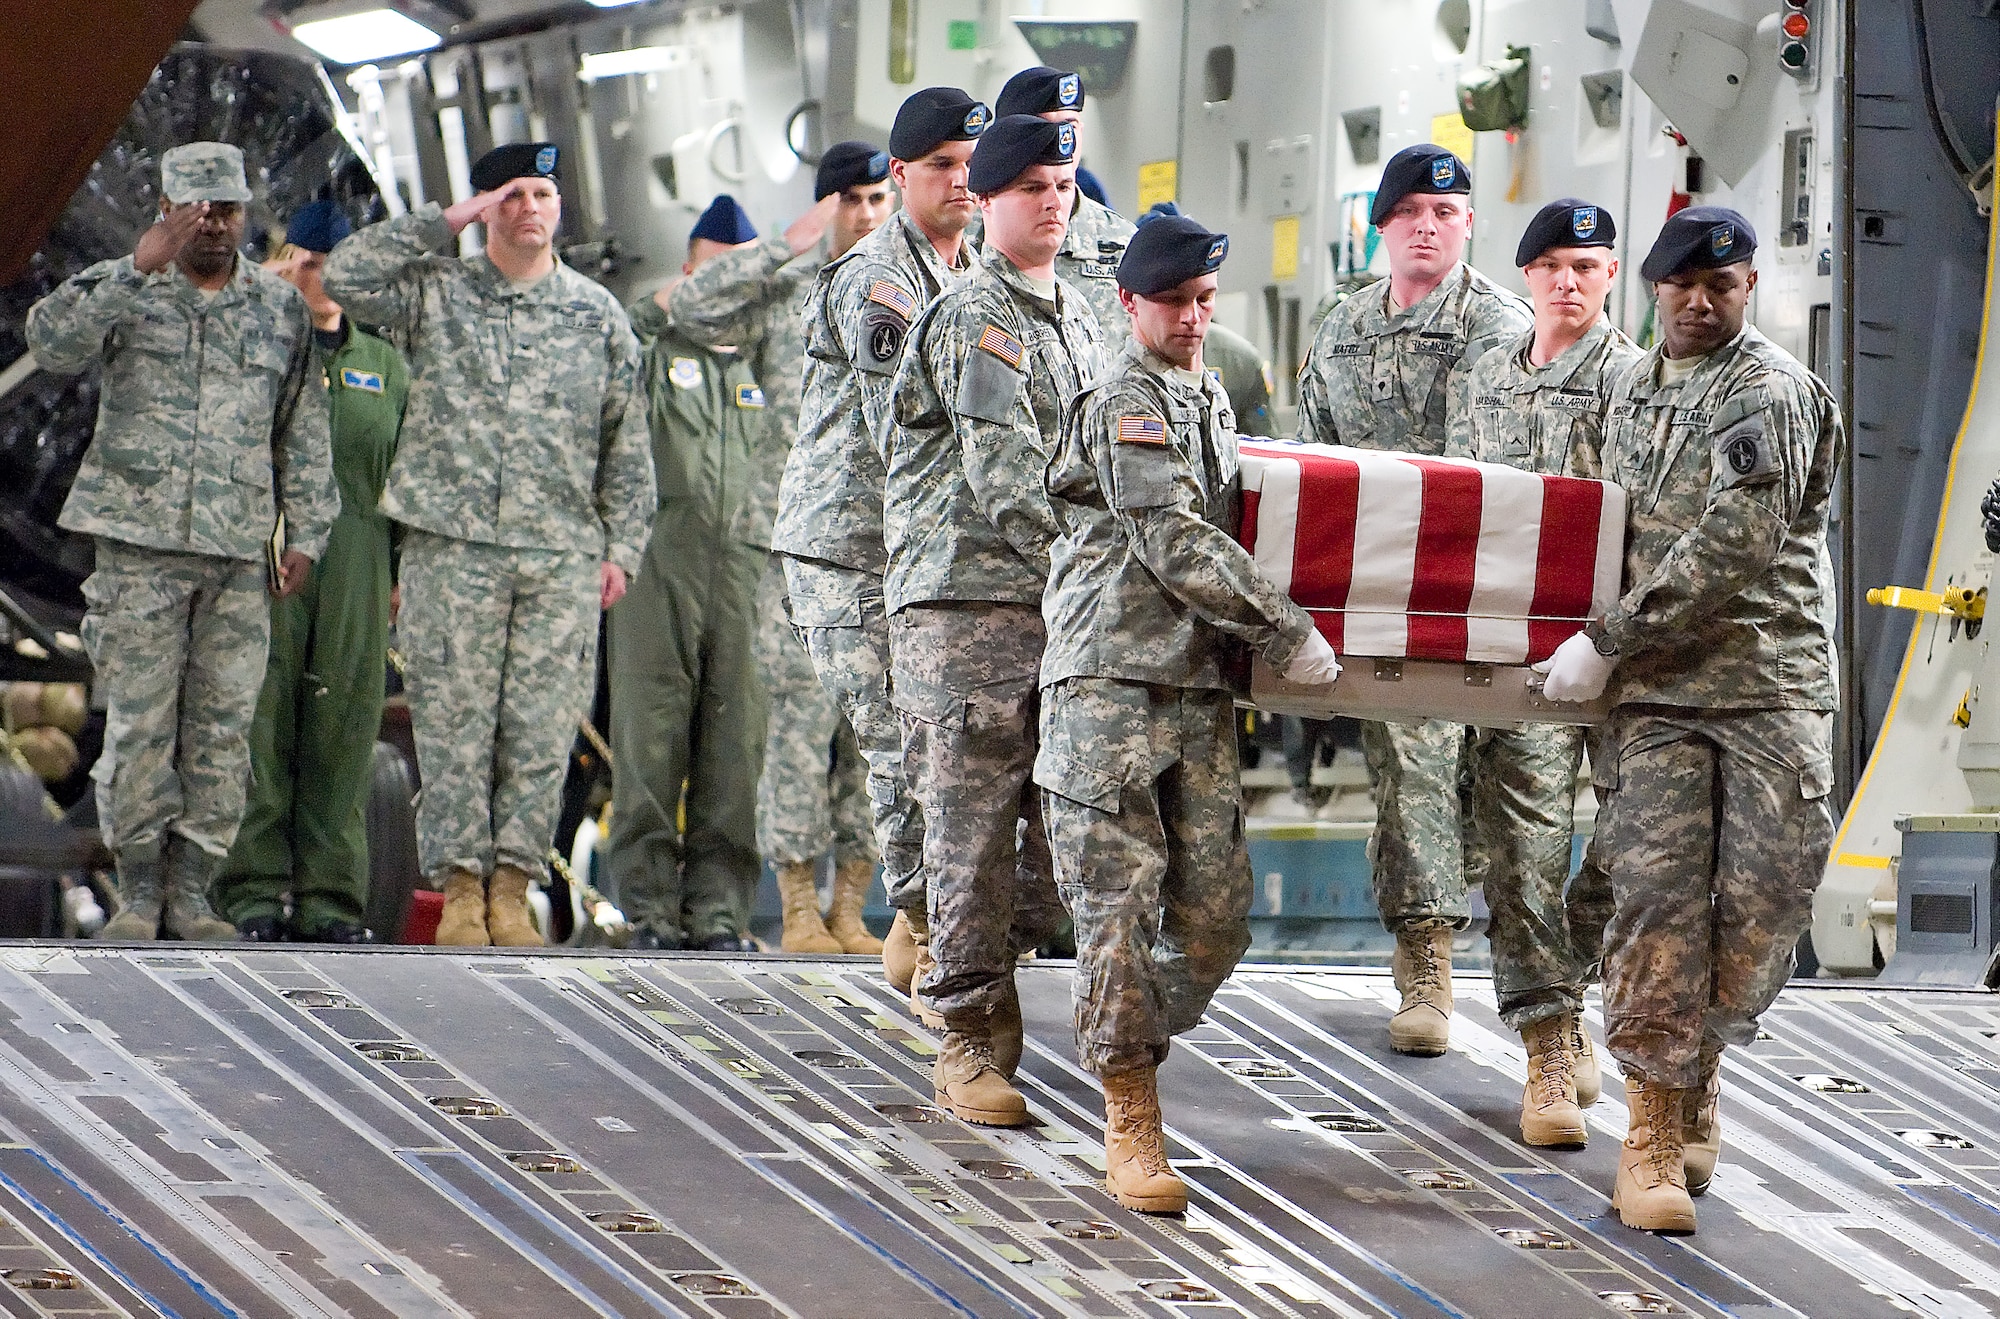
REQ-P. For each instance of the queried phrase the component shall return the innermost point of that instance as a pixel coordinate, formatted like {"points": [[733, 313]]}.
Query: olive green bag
{"points": [[1494, 96]]}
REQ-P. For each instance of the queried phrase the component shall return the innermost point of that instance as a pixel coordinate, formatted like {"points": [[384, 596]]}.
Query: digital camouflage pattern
{"points": [[814, 791], [178, 644], [1727, 475], [1522, 820], [500, 651], [1088, 262], [1715, 826], [1147, 582], [1246, 376], [1146, 825], [526, 424], [840, 619], [965, 691], [976, 407], [856, 317], [1717, 766], [686, 706], [1377, 378], [1547, 419], [209, 416], [1138, 747], [1417, 851], [312, 745]]}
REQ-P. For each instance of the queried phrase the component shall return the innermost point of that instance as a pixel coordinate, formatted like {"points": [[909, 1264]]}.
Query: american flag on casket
{"points": [[1446, 572]]}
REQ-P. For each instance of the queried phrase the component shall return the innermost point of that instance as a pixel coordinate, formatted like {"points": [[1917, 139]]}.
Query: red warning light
{"points": [[1797, 26]]}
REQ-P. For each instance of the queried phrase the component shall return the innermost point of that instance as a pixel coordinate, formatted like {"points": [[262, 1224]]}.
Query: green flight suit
{"points": [[312, 744], [687, 708]]}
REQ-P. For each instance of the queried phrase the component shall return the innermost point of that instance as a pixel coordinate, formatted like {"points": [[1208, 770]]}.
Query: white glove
{"points": [[1576, 672], [1315, 665]]}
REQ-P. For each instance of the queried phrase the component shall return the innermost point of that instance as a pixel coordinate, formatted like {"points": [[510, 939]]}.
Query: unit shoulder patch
{"points": [[367, 380], [1743, 455], [685, 373], [881, 342], [749, 396]]}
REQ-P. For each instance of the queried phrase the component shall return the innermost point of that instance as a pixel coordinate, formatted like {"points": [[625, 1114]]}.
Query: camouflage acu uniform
{"points": [[1246, 377], [522, 464], [977, 403], [753, 297], [1378, 378], [1147, 592], [1715, 823], [1547, 419], [1088, 261], [687, 711], [211, 420], [830, 514]]}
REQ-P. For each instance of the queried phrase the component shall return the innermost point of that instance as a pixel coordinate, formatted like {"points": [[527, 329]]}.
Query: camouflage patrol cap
{"points": [[203, 172]]}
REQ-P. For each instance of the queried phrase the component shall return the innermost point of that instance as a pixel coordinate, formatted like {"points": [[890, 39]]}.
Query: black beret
{"points": [[517, 160], [1699, 238], [933, 116], [849, 165], [724, 222], [1168, 250], [1040, 90], [1425, 167], [318, 227], [1566, 222], [1013, 144]]}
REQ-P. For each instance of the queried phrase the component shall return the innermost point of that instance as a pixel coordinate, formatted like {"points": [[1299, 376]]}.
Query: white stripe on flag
{"points": [[1385, 558], [1503, 577], [1277, 515], [1610, 576]]}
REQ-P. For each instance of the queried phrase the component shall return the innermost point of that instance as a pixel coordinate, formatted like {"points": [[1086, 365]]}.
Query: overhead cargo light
{"points": [[640, 59], [612, 4], [374, 34]]}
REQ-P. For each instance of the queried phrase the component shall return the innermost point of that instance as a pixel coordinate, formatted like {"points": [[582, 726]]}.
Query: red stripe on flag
{"points": [[1565, 562], [1246, 522], [1323, 541], [1447, 556]]}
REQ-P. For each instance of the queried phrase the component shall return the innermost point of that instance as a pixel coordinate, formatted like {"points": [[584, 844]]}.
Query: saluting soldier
{"points": [[1718, 760], [830, 516], [312, 748], [211, 431], [1386, 368], [687, 711], [1088, 261], [1148, 591], [524, 485], [1537, 402], [813, 793], [990, 366]]}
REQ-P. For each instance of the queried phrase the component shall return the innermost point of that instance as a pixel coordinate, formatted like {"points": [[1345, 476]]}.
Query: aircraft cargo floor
{"points": [[298, 1132]]}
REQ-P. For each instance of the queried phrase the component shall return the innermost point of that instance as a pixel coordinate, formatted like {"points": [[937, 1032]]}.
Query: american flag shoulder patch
{"points": [[1002, 345], [1141, 430], [895, 299]]}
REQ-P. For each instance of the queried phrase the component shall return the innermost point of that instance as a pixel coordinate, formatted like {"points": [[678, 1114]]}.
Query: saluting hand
{"points": [[806, 231], [480, 205], [160, 244]]}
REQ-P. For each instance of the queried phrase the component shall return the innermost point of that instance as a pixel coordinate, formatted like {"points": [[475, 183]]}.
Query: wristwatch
{"points": [[1594, 630]]}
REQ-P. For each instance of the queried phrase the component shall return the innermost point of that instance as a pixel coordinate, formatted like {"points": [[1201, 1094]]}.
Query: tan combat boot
{"points": [[1421, 967], [187, 915], [139, 900], [843, 921], [1701, 1122], [899, 954], [508, 919], [1004, 1021], [1136, 1170], [1589, 1076], [968, 1083], [462, 924], [1549, 1112], [1651, 1192], [798, 896], [920, 935]]}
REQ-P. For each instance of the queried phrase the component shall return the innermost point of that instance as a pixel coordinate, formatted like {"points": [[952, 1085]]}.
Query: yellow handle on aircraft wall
{"points": [[1953, 602]]}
